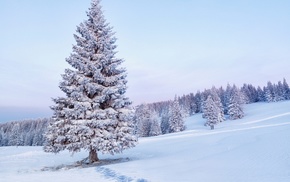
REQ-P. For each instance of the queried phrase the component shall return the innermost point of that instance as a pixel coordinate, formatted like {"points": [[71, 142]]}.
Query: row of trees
{"points": [[23, 133], [193, 103], [154, 119], [147, 122], [214, 110], [216, 104]]}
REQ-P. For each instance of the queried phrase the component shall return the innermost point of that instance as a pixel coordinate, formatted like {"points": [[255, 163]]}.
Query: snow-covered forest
{"points": [[216, 104], [158, 118], [23, 133]]}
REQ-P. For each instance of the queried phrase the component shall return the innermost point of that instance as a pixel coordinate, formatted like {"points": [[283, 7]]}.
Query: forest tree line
{"points": [[215, 104], [23, 133]]}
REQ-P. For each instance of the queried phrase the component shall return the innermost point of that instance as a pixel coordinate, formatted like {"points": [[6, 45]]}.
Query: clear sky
{"points": [[170, 47]]}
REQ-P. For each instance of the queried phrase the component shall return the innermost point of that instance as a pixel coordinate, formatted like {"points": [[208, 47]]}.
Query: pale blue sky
{"points": [[170, 47]]}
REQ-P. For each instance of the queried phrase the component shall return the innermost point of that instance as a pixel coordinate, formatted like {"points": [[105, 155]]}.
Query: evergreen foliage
{"points": [[155, 128], [158, 121], [95, 114], [217, 99], [165, 123], [286, 90], [23, 133], [211, 112], [235, 110], [176, 122], [146, 122], [269, 93]]}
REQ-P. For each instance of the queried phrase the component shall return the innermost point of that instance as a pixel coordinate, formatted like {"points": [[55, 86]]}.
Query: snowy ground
{"points": [[256, 148]]}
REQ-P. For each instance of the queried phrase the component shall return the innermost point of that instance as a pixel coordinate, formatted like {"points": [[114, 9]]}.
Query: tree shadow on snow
{"points": [[85, 164]]}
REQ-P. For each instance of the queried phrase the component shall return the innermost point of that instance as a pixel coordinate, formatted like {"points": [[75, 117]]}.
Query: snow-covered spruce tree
{"points": [[146, 121], [176, 122], [216, 98], [94, 115], [211, 112], [235, 109], [198, 102], [227, 95], [155, 128], [143, 118], [269, 92], [203, 97], [286, 90], [164, 125], [261, 94], [15, 137]]}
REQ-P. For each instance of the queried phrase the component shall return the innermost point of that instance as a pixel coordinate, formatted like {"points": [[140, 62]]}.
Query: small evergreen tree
{"points": [[15, 139], [198, 102], [235, 109], [165, 123], [143, 119], [261, 94], [193, 106], [176, 122], [218, 103], [95, 115], [269, 93], [146, 122], [212, 112], [286, 90], [155, 128]]}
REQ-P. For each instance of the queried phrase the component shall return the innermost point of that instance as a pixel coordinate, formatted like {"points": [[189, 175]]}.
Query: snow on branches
{"points": [[95, 114]]}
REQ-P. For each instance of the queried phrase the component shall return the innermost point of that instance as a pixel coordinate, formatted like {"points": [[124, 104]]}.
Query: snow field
{"points": [[255, 148]]}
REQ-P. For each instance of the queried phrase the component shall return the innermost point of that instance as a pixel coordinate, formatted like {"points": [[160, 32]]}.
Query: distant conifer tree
{"points": [[235, 109], [211, 112], [176, 122]]}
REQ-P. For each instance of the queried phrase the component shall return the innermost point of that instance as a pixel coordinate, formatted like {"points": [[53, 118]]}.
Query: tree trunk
{"points": [[93, 156]]}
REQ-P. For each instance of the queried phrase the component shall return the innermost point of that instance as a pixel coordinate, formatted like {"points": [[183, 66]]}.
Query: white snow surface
{"points": [[255, 148]]}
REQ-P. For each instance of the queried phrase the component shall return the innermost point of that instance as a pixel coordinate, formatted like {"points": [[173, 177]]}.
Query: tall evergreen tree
{"points": [[155, 128], [261, 94], [164, 125], [193, 106], [250, 93], [235, 109], [94, 115], [211, 112], [198, 102], [223, 97], [176, 122], [227, 95], [218, 103], [143, 117], [286, 90], [278, 90], [269, 92], [15, 135]]}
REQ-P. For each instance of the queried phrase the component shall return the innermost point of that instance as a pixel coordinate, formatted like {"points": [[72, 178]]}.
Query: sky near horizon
{"points": [[170, 47]]}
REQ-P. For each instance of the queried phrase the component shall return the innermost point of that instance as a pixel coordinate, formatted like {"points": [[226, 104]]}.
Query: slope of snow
{"points": [[255, 148]]}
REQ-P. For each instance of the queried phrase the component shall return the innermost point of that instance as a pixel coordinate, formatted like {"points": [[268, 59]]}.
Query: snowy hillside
{"points": [[255, 148]]}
